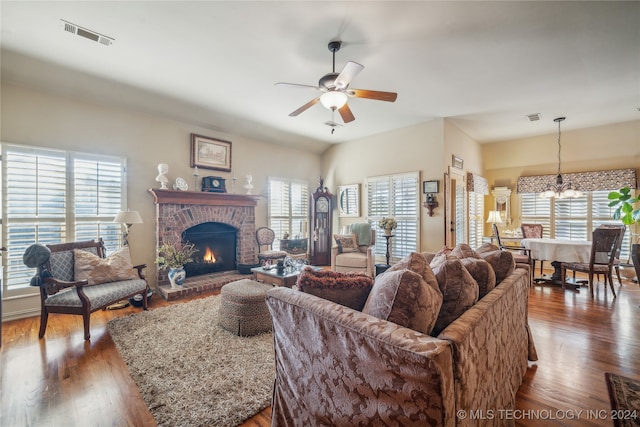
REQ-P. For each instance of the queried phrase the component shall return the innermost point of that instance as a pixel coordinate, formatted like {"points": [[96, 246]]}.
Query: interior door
{"points": [[456, 210]]}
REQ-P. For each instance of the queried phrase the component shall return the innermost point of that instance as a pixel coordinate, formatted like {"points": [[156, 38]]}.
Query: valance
{"points": [[584, 181], [477, 184]]}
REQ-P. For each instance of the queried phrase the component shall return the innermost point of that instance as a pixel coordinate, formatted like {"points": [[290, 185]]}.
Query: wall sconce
{"points": [[430, 203], [128, 218], [430, 188]]}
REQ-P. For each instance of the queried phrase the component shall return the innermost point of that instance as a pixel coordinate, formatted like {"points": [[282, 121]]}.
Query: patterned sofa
{"points": [[336, 366]]}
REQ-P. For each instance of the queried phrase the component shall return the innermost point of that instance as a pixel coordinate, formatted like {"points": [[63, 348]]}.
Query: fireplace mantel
{"points": [[161, 196]]}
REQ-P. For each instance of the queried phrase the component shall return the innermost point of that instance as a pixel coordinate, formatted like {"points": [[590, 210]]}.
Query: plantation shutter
{"points": [[288, 208], [476, 224], [395, 196], [536, 210], [571, 218], [54, 197]]}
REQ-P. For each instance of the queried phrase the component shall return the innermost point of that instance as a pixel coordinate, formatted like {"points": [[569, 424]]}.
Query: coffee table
{"points": [[271, 276]]}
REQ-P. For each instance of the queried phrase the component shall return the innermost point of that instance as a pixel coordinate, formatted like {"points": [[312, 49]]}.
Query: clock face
{"points": [[216, 183], [322, 205]]}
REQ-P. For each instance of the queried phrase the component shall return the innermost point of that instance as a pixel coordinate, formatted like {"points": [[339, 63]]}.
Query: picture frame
{"points": [[457, 162], [210, 153], [430, 187]]}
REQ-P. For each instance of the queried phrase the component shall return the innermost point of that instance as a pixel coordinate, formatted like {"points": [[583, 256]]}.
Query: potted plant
{"points": [[173, 255], [388, 224], [623, 202]]}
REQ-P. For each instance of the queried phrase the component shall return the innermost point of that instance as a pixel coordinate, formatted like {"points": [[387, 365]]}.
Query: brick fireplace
{"points": [[177, 211]]}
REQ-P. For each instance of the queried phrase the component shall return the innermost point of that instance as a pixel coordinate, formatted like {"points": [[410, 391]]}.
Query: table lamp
{"points": [[128, 218], [494, 218]]}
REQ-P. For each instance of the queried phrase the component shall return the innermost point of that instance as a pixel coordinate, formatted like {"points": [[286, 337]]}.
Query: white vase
{"points": [[176, 277]]}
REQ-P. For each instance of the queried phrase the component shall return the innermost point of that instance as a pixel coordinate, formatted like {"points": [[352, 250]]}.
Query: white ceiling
{"points": [[483, 65]]}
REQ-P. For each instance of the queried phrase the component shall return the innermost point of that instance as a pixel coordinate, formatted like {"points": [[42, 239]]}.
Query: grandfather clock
{"points": [[321, 208]]}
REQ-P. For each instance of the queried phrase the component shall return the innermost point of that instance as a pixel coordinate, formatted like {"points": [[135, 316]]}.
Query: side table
{"points": [[381, 268], [388, 237]]}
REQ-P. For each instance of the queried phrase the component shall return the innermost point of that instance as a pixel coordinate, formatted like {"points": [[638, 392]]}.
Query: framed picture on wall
{"points": [[430, 187], [210, 153]]}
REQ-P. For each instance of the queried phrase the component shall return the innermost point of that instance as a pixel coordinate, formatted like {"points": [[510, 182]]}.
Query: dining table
{"points": [[558, 251]]}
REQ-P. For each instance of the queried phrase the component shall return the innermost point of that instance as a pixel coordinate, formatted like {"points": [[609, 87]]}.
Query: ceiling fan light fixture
{"points": [[333, 100]]}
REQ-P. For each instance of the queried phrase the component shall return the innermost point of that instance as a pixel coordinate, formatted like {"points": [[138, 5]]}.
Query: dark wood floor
{"points": [[62, 380]]}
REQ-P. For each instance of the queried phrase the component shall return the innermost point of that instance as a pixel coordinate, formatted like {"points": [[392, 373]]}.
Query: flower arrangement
{"points": [[175, 254], [388, 223]]}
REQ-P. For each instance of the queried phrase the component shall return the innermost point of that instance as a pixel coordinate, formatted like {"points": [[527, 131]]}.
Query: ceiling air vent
{"points": [[87, 34], [534, 117]]}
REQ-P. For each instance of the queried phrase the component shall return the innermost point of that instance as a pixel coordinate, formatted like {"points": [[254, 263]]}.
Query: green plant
{"points": [[623, 202], [388, 223], [175, 254]]}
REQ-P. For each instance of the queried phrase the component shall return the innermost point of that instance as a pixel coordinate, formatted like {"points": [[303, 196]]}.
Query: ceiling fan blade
{"points": [[347, 74], [346, 114], [373, 94], [305, 107], [297, 85]]}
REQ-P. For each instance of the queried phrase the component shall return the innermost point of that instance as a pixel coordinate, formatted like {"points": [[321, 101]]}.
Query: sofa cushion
{"points": [[348, 289], [418, 264], [404, 298], [346, 242], [463, 251], [459, 291], [483, 274], [356, 260], [486, 247], [116, 267], [502, 262]]}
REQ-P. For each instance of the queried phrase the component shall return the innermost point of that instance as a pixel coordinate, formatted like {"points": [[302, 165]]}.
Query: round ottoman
{"points": [[243, 310]]}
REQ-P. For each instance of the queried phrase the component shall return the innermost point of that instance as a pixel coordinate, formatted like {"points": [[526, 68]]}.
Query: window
{"points": [[55, 196], [288, 208], [395, 196], [476, 222], [571, 218]]}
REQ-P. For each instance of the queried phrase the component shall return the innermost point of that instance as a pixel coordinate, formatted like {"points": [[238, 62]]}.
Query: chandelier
{"points": [[560, 189]]}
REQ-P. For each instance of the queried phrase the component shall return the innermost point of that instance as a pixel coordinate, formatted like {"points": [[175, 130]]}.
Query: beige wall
{"points": [[615, 146], [426, 148], [36, 118]]}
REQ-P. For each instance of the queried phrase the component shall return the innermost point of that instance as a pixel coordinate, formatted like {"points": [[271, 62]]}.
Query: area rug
{"points": [[624, 394], [190, 371]]}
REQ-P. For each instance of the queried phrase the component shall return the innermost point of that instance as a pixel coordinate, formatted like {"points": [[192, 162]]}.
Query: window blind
{"points": [[52, 196], [288, 208]]}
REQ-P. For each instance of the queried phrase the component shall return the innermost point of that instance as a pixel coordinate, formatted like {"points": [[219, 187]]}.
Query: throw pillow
{"points": [[502, 262], [483, 274], [418, 264], [404, 298], [486, 247], [463, 251], [114, 268], [459, 292], [346, 243], [348, 289]]}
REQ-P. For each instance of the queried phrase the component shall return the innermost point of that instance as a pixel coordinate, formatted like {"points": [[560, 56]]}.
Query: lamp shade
{"points": [[494, 217], [333, 100], [128, 217]]}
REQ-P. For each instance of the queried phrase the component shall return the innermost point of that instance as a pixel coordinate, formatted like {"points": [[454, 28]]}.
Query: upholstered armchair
{"points": [[348, 256]]}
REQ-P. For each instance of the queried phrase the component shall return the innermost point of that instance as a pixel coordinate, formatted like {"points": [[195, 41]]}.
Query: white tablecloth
{"points": [[561, 250]]}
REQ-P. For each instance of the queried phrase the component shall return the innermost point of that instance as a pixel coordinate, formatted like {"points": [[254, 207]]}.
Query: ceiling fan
{"points": [[335, 89]]}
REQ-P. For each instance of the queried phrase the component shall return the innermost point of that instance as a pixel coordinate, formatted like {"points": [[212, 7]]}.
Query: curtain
{"points": [[584, 181]]}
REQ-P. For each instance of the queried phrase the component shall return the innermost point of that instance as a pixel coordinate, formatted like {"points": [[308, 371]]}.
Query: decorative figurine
{"points": [[248, 186], [163, 169]]}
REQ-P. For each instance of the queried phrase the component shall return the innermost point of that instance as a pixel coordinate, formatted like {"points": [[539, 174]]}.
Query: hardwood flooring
{"points": [[62, 380]]}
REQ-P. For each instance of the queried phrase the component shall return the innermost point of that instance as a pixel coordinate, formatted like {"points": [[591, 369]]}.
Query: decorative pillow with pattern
{"points": [[463, 251], [502, 262], [348, 289], [347, 242], [459, 291], [483, 274], [114, 268], [404, 298], [418, 264], [486, 247]]}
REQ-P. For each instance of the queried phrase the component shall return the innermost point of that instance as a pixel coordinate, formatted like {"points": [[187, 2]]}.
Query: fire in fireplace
{"points": [[216, 244]]}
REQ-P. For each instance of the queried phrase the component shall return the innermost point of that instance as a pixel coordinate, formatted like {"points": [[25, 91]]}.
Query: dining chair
{"points": [[521, 255], [265, 237], [616, 261], [604, 242], [533, 231]]}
